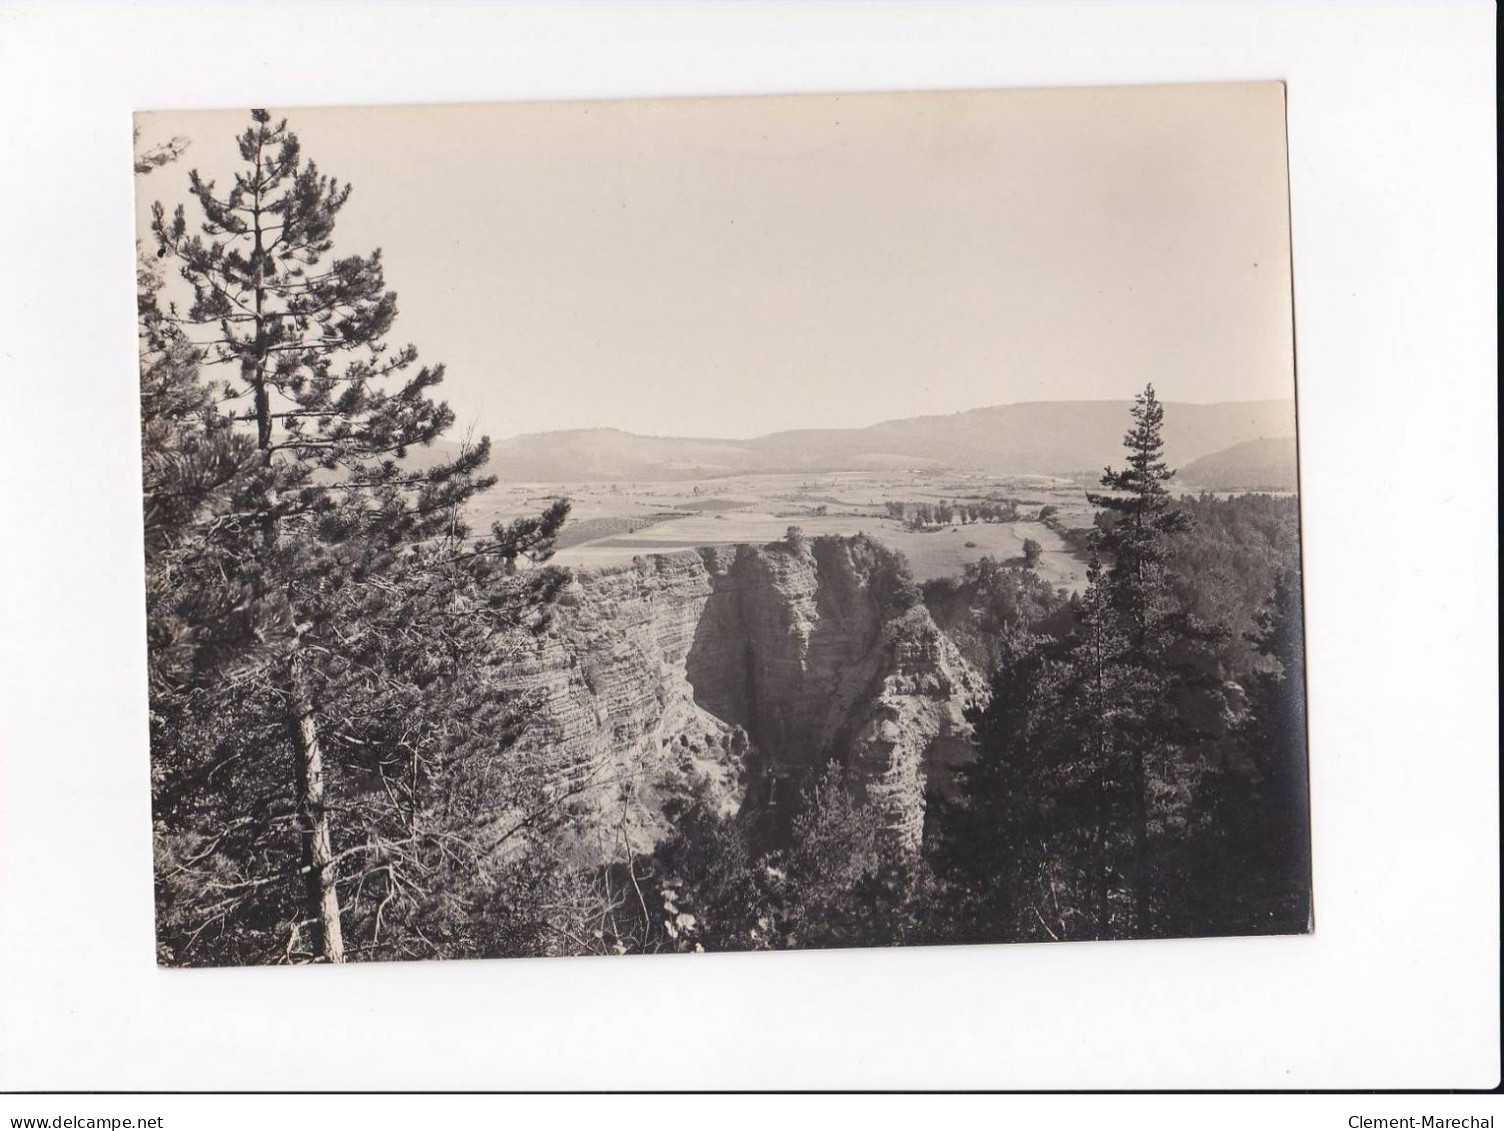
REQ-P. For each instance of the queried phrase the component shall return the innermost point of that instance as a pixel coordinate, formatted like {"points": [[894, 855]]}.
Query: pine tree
{"points": [[1273, 818], [1136, 517], [190, 458], [1140, 515], [1090, 750], [188, 452], [336, 568], [996, 840]]}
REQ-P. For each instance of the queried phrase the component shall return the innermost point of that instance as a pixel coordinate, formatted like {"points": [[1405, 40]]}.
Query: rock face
{"points": [[615, 727], [739, 672]]}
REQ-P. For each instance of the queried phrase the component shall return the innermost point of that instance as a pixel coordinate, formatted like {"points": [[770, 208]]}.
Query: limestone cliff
{"points": [[744, 670], [614, 726]]}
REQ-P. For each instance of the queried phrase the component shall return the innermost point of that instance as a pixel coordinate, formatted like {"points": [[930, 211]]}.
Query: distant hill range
{"points": [[1254, 465], [1041, 437]]}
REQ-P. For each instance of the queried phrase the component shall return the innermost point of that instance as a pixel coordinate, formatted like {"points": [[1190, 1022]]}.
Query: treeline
{"points": [[958, 513]]}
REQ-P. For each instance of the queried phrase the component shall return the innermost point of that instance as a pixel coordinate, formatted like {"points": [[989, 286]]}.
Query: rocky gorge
{"points": [[737, 673]]}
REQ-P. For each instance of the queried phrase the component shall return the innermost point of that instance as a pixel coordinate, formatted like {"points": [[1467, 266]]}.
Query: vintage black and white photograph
{"points": [[721, 524]]}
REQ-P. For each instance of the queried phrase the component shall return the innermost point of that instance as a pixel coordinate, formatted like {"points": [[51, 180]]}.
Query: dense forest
{"points": [[335, 772]]}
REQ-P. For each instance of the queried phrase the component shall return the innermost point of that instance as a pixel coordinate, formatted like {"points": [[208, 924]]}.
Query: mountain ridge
{"points": [[1027, 437], [1267, 463]]}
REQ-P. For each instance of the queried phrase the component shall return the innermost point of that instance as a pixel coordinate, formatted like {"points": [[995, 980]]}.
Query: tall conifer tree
{"points": [[1089, 741], [330, 531], [1141, 514]]}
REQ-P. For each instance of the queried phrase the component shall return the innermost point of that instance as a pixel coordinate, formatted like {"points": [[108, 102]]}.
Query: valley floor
{"points": [[611, 523]]}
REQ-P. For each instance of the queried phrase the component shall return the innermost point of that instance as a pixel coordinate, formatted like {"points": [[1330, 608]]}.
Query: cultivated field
{"points": [[611, 523]]}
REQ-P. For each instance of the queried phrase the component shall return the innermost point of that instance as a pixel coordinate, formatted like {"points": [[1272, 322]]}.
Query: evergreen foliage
{"points": [[1112, 794], [322, 621]]}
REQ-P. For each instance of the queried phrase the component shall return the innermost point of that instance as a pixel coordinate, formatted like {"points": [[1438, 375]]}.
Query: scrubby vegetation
{"points": [[990, 603]]}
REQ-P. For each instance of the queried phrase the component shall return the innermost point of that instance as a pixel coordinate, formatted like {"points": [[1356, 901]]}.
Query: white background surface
{"points": [[1392, 166]]}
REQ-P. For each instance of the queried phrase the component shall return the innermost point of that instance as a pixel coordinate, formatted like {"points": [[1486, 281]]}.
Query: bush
{"points": [[841, 881], [710, 874]]}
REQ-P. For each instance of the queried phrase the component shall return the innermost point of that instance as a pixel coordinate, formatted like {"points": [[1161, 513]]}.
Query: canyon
{"points": [[734, 674]]}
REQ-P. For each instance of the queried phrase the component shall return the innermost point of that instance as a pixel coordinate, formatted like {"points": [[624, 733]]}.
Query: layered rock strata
{"points": [[737, 673]]}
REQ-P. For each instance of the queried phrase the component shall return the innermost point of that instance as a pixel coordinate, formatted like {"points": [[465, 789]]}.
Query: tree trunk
{"points": [[313, 818]]}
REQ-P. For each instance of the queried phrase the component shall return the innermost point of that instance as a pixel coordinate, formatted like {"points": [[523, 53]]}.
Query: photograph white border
{"points": [[1392, 165]]}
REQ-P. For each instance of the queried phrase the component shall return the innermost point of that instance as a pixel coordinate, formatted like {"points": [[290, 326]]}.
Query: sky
{"points": [[736, 266]]}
